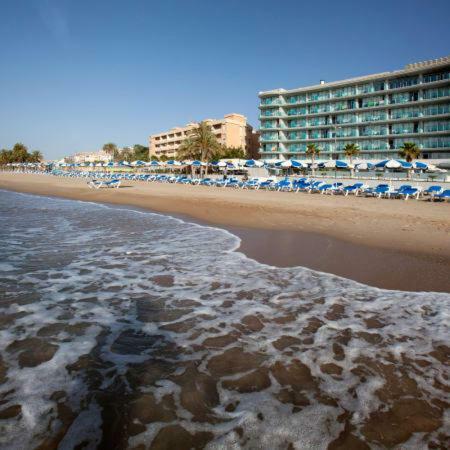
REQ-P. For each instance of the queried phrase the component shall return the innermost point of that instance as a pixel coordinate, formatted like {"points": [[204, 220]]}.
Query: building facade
{"points": [[377, 112], [231, 131], [87, 157]]}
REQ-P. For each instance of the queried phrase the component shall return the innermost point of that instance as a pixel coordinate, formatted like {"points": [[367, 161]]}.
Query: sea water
{"points": [[127, 329]]}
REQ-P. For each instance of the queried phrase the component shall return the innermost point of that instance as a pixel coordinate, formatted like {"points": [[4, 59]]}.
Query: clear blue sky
{"points": [[75, 74]]}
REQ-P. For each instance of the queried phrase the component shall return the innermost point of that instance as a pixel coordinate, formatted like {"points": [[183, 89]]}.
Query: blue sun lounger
{"points": [[433, 190], [353, 189], [442, 196], [97, 184]]}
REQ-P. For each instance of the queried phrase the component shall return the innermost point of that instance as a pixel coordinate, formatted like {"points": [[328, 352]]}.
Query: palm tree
{"points": [[111, 149], [409, 151], [351, 150], [200, 144], [36, 156], [312, 150]]}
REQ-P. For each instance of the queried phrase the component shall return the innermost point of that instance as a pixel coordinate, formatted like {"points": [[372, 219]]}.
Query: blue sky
{"points": [[75, 74]]}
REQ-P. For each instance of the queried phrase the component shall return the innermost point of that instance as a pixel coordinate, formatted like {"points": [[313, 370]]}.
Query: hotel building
{"points": [[231, 131], [377, 112]]}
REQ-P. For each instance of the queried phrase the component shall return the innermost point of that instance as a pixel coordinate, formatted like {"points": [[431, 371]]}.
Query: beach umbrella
{"points": [[253, 163], [124, 163], [173, 162], [196, 163], [298, 164], [138, 163], [231, 165], [365, 166], [420, 165], [109, 164], [336, 164], [393, 164], [153, 163], [219, 164]]}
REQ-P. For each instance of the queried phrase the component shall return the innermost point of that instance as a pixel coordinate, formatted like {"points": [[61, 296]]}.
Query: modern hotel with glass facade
{"points": [[377, 112]]}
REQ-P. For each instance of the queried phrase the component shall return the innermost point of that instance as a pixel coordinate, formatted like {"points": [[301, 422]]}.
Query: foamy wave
{"points": [[159, 327]]}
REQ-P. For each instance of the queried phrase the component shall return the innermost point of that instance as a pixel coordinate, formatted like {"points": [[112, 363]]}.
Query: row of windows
{"points": [[356, 90], [377, 130], [372, 144], [402, 113], [412, 111]]}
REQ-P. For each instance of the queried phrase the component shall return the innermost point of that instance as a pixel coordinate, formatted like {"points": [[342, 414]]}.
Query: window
{"points": [[296, 111], [402, 113], [301, 98], [438, 76], [372, 101], [376, 130], [270, 101], [403, 82], [344, 92], [297, 123], [317, 121], [403, 128], [346, 132], [296, 147], [269, 136], [346, 118], [435, 110], [373, 116], [269, 124], [443, 125], [295, 135], [436, 93], [313, 109]]}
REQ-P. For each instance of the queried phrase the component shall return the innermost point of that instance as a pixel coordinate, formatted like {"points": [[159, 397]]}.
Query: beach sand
{"points": [[389, 244]]}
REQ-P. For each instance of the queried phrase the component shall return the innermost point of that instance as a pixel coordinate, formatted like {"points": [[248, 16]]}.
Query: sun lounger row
{"points": [[307, 185]]}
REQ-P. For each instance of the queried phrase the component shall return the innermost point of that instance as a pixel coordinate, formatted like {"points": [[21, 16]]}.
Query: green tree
{"points": [[6, 157], [230, 153], [312, 150], [409, 151], [164, 158], [201, 144], [36, 156], [154, 158], [351, 150], [140, 152], [111, 149], [20, 153]]}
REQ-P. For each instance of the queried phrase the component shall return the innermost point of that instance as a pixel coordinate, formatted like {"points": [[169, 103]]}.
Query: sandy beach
{"points": [[385, 243]]}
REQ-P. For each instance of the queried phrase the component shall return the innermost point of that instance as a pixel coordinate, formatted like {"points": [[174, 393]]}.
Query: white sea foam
{"points": [[90, 279]]}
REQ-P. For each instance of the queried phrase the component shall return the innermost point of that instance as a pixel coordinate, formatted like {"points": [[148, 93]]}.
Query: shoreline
{"points": [[396, 245]]}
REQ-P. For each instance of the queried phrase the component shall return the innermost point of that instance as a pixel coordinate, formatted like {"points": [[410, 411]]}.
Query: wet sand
{"points": [[389, 244]]}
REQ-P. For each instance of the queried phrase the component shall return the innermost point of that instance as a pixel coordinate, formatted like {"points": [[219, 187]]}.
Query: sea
{"points": [[127, 329]]}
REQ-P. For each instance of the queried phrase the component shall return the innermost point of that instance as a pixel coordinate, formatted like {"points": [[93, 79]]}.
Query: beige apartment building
{"points": [[231, 131]]}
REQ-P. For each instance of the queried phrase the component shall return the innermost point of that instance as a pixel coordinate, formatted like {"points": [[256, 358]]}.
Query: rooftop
{"points": [[409, 68]]}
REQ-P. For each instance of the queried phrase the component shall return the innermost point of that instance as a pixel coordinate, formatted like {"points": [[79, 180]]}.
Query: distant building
{"points": [[82, 157], [377, 112], [231, 131]]}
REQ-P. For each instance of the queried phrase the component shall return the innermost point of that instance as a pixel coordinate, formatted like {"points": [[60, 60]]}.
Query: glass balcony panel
{"points": [[372, 101], [434, 110], [270, 101], [403, 82], [346, 118], [405, 113], [437, 126], [403, 128], [436, 93], [432, 77]]}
